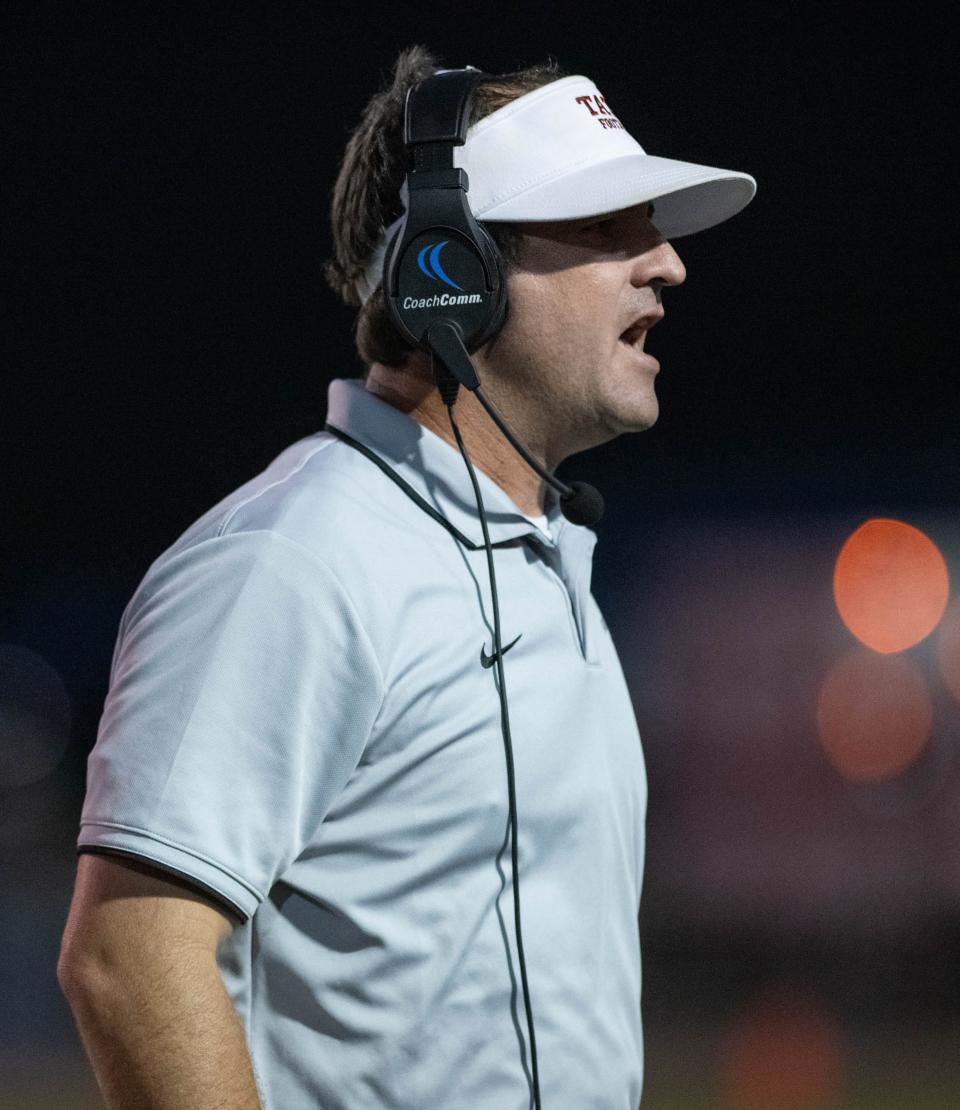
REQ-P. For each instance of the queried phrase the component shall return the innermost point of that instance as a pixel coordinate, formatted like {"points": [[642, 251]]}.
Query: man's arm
{"points": [[138, 967]]}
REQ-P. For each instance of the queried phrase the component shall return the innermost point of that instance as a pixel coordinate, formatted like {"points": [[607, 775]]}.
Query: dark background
{"points": [[168, 332]]}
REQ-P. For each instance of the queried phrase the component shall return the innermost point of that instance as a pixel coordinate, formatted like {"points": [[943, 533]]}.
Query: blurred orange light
{"points": [[784, 1052], [948, 648], [874, 715], [890, 584]]}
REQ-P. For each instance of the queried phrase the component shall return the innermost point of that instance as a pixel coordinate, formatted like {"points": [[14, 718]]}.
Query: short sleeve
{"points": [[242, 693]]}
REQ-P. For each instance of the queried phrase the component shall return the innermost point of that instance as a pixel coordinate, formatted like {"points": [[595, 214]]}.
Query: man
{"points": [[291, 889]]}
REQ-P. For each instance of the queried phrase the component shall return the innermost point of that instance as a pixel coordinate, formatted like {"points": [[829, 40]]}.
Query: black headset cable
{"points": [[449, 387]]}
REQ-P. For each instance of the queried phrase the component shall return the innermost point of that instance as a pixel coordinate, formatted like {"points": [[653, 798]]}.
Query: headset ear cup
{"points": [[440, 240]]}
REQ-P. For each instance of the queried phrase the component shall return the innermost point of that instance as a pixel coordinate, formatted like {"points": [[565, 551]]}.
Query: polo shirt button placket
{"points": [[555, 568], [575, 561]]}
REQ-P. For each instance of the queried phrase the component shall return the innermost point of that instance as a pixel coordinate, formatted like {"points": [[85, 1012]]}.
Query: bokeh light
{"points": [[874, 714], [948, 648], [35, 716], [784, 1051], [890, 584]]}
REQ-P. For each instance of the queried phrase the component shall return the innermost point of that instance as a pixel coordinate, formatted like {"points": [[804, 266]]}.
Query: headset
{"points": [[451, 316], [444, 286]]}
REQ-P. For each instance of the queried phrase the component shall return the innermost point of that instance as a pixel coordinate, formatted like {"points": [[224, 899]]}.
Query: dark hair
{"points": [[366, 194]]}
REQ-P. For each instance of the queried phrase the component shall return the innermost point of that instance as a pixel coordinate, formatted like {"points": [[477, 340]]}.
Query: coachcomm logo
{"points": [[436, 270], [432, 267]]}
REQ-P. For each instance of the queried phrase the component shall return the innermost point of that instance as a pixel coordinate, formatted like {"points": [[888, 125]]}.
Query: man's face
{"points": [[570, 356]]}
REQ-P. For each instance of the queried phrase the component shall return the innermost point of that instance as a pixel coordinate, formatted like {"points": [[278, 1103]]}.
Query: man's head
{"points": [[565, 192], [366, 195]]}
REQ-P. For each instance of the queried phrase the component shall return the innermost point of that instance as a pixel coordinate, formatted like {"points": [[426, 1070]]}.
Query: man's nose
{"points": [[658, 267], [675, 273]]}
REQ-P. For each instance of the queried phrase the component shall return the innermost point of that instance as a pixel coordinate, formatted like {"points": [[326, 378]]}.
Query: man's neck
{"points": [[418, 397]]}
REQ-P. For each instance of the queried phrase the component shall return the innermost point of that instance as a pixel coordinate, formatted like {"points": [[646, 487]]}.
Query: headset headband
{"points": [[438, 108]]}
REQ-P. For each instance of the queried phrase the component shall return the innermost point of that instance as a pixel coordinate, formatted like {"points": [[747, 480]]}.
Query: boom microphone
{"points": [[580, 502]]}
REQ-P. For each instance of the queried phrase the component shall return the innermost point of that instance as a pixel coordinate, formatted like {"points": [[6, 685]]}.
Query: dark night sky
{"points": [[166, 221]]}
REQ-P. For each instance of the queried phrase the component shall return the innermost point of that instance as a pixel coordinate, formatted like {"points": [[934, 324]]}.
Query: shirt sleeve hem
{"points": [[211, 877]]}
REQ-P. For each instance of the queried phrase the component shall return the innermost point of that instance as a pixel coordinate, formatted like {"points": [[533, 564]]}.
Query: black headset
{"points": [[443, 275], [444, 287], [441, 266]]}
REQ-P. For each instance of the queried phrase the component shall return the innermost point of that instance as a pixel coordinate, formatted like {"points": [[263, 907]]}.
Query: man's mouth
{"points": [[636, 333], [634, 337]]}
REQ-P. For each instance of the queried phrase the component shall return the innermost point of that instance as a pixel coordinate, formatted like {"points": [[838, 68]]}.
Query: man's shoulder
{"points": [[320, 495], [318, 492]]}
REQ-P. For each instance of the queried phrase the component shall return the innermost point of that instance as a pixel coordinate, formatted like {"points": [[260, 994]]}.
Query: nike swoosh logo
{"points": [[489, 660]]}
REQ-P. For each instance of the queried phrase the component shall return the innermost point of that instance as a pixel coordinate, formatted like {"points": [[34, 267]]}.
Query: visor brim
{"points": [[688, 197]]}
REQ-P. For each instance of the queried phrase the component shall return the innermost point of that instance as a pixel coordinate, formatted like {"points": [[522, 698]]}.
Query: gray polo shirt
{"points": [[299, 723]]}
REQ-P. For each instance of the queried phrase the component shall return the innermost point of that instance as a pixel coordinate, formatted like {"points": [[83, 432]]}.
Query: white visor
{"points": [[559, 153]]}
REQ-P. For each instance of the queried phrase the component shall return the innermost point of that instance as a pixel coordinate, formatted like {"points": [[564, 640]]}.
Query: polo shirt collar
{"points": [[436, 471]]}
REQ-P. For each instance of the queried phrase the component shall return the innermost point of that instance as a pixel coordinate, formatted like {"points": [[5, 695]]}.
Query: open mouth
{"points": [[634, 336]]}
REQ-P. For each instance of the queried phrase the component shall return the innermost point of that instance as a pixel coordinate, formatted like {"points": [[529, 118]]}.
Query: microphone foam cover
{"points": [[584, 505]]}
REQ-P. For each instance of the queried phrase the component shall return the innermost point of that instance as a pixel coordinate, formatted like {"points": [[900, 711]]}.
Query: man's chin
{"points": [[643, 416], [622, 423]]}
